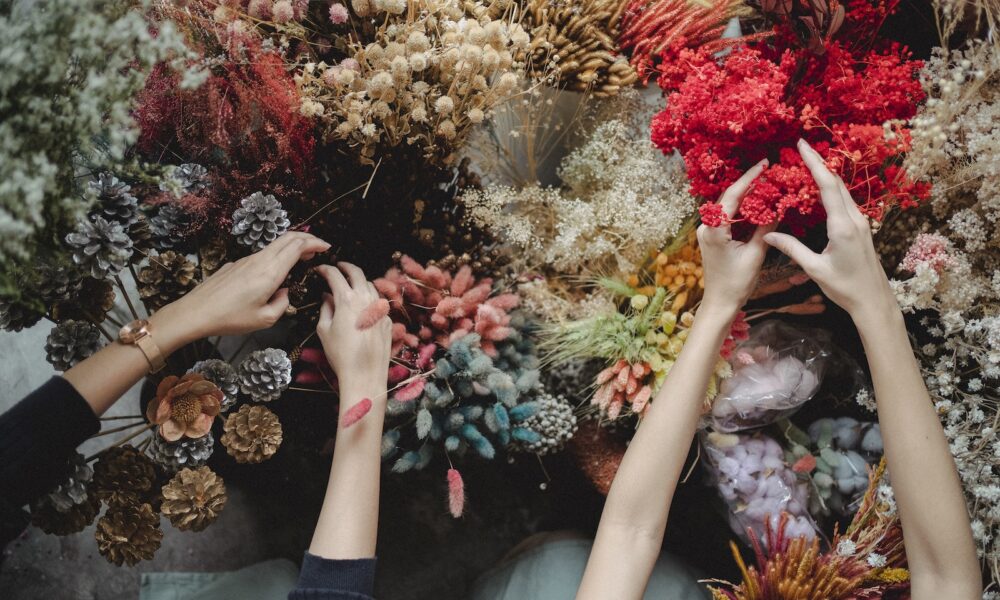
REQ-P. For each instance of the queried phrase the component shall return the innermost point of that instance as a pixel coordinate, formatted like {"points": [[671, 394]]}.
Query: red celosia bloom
{"points": [[725, 115]]}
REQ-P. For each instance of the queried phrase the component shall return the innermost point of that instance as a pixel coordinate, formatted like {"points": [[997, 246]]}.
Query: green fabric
{"points": [[553, 571], [269, 580]]}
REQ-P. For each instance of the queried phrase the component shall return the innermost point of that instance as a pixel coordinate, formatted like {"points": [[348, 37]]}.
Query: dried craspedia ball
{"points": [[123, 475], [259, 220], [252, 434], [222, 374], [167, 277], [265, 374], [45, 515], [193, 499], [128, 533], [554, 422], [70, 342], [185, 452]]}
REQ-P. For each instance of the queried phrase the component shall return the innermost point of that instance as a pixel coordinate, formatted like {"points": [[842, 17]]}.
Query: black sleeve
{"points": [[37, 437], [326, 579]]}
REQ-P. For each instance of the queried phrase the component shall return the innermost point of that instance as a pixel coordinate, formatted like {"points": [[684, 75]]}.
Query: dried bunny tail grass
{"points": [[356, 413], [372, 314], [456, 493]]}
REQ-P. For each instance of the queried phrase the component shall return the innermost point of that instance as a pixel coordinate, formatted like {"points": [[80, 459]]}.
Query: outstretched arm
{"points": [[937, 535], [635, 514]]}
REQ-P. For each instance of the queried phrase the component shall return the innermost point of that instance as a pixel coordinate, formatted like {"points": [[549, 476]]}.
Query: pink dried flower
{"points": [[929, 249], [410, 391], [338, 13], [356, 413], [372, 314], [259, 9], [282, 11], [456, 493]]}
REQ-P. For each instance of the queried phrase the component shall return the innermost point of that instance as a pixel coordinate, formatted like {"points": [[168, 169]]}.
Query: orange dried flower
{"points": [[184, 406]]}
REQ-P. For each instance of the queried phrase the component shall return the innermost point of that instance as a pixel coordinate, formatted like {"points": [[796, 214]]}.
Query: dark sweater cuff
{"points": [[355, 576], [37, 437]]}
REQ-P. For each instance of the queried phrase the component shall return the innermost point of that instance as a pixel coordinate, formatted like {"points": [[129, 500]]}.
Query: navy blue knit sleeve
{"points": [[37, 437], [326, 579]]}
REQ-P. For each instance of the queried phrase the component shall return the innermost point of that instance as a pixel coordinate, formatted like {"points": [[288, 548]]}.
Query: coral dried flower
{"points": [[184, 406]]}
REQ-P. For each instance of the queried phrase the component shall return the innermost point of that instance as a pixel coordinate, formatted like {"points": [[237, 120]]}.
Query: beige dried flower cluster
{"points": [[620, 198], [427, 77], [579, 36]]}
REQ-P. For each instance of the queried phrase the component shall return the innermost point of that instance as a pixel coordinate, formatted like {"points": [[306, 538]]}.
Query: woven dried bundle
{"points": [[582, 36], [168, 276], [128, 533], [193, 499], [252, 434]]}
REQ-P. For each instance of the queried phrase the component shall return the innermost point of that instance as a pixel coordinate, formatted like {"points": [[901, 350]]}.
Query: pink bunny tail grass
{"points": [[410, 391], [456, 493], [356, 413], [372, 314]]}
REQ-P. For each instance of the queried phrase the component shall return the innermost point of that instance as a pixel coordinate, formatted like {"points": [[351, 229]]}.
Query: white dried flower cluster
{"points": [[951, 273], [621, 198], [68, 72], [424, 79]]}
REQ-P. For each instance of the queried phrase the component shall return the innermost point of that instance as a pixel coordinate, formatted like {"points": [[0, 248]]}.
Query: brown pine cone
{"points": [[193, 499], [91, 303], [252, 434], [45, 516], [212, 256], [128, 534], [167, 277], [123, 475]]}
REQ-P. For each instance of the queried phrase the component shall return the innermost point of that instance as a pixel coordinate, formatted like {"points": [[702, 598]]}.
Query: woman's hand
{"points": [[358, 356], [848, 270], [730, 266], [242, 296]]}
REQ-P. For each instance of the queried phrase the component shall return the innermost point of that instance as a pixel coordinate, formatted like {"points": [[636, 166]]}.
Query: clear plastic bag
{"points": [[757, 485], [775, 371]]}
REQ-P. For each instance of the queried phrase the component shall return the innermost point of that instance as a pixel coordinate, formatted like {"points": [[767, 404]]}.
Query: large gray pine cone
{"points": [[265, 374], [72, 491], [554, 422], [100, 246], [259, 220], [15, 316], [114, 200], [57, 283], [186, 452], [70, 342], [188, 178], [169, 226], [221, 374]]}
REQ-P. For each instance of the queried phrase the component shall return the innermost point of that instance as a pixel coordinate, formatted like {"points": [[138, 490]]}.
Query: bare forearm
{"points": [[348, 521], [928, 491], [635, 514]]}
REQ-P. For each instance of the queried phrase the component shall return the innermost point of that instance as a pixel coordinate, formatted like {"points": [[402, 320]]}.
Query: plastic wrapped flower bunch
{"points": [[835, 454], [423, 78], [849, 101], [464, 371], [757, 485]]}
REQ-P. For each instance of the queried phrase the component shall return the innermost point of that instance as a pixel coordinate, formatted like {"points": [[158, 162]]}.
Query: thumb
{"points": [[793, 249], [275, 307]]}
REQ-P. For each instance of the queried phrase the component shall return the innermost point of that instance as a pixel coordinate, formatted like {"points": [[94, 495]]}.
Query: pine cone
{"points": [[189, 178], [193, 499], [211, 256], [123, 475], [46, 517], [554, 422], [73, 490], [128, 534], [168, 226], [252, 434], [221, 374], [259, 220], [186, 452], [184, 406], [57, 283], [114, 202], [70, 342], [100, 246], [167, 277], [265, 374], [15, 316], [95, 298]]}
